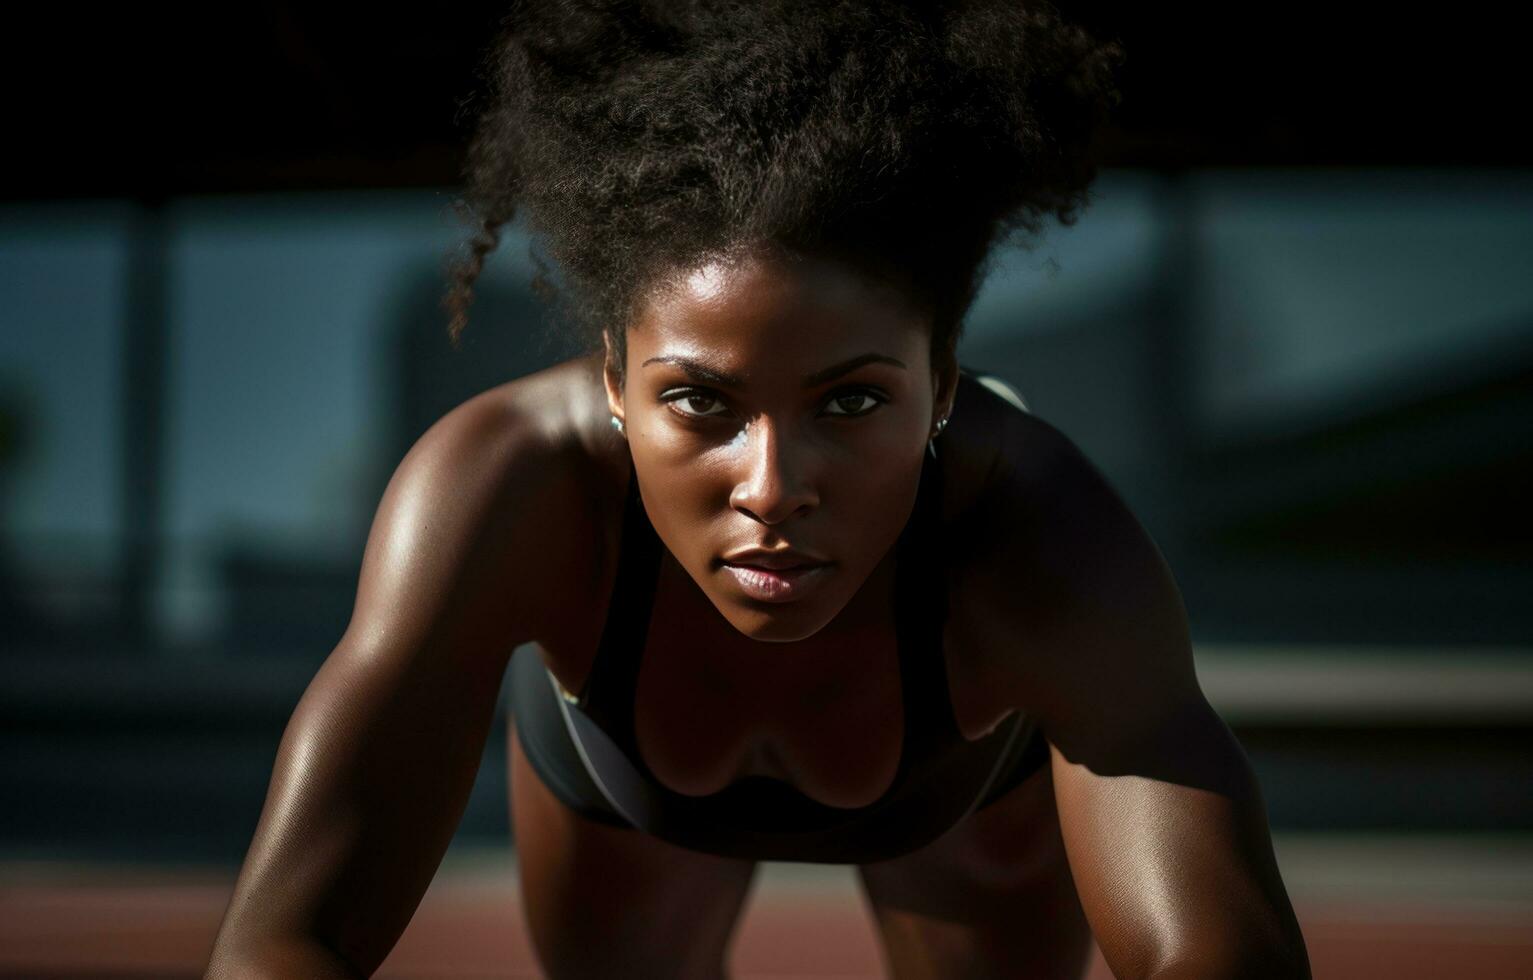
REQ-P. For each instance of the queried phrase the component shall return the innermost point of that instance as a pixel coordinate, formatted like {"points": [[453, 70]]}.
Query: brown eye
{"points": [[848, 402], [696, 403]]}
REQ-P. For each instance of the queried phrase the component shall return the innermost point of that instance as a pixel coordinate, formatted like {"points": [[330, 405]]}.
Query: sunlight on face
{"points": [[777, 406]]}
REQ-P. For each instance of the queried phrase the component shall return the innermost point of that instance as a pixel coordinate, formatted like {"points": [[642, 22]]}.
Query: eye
{"points": [[695, 399], [848, 399]]}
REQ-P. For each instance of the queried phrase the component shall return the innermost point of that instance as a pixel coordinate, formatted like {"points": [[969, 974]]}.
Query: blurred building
{"points": [[1312, 387]]}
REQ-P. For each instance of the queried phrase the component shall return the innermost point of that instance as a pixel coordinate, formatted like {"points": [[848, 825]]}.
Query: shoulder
{"points": [[1059, 566], [490, 516]]}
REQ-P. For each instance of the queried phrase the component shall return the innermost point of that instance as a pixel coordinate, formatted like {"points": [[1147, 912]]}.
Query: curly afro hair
{"points": [[643, 137]]}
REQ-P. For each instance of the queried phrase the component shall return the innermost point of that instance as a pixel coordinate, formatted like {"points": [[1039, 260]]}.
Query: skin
{"points": [[501, 528], [767, 459]]}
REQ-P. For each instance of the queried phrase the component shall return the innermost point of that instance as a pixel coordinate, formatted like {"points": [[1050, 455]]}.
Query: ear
{"points": [[612, 377]]}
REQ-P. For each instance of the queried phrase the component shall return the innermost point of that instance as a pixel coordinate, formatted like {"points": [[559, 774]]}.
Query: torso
{"points": [[815, 713]]}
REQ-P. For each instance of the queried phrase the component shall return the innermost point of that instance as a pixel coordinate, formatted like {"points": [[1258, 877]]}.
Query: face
{"points": [[782, 410]]}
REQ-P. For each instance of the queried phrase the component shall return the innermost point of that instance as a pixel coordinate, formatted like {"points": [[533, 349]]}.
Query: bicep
{"points": [[375, 766], [1167, 839], [1161, 813], [370, 781]]}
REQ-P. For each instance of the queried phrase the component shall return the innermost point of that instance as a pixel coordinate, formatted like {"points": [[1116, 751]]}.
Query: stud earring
{"points": [[617, 424], [931, 444]]}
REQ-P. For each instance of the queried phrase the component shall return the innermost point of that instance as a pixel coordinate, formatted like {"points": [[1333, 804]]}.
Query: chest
{"points": [[825, 715]]}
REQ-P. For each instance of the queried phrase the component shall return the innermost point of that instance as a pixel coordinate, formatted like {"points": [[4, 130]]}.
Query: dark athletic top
{"points": [[941, 776]]}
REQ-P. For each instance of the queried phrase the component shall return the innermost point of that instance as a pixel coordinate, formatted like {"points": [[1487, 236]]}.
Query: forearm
{"points": [[1252, 934], [1176, 870], [1251, 964], [278, 959]]}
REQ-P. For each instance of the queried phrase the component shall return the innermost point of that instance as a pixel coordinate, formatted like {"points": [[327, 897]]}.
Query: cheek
{"points": [[862, 518], [878, 525], [690, 514], [878, 503]]}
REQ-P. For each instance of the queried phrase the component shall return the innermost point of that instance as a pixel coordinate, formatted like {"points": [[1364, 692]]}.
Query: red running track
{"points": [[800, 922]]}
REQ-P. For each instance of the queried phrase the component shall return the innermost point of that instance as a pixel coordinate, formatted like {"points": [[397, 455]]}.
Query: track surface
{"points": [[1369, 909]]}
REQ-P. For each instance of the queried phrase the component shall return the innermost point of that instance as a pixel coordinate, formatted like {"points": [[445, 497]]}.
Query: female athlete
{"points": [[789, 583]]}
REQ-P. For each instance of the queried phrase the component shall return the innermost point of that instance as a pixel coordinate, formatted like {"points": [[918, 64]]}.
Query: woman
{"points": [[799, 587]]}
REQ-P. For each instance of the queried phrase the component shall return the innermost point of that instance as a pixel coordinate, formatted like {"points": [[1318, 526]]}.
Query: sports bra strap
{"points": [[614, 676]]}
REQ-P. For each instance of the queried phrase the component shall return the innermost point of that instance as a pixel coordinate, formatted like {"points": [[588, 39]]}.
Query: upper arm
{"points": [[376, 763], [1162, 818]]}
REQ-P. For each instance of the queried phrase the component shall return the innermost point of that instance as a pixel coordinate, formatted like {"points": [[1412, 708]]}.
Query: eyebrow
{"points": [[701, 372]]}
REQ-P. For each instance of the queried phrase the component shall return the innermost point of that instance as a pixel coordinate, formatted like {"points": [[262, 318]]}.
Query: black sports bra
{"points": [[941, 776]]}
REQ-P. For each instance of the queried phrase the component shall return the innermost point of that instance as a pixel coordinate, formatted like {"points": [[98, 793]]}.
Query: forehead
{"points": [[786, 310]]}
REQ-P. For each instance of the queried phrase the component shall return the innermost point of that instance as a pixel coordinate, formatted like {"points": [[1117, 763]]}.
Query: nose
{"points": [[775, 484]]}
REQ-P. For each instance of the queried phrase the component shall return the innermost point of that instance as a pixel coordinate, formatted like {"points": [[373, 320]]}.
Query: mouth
{"points": [[777, 584]]}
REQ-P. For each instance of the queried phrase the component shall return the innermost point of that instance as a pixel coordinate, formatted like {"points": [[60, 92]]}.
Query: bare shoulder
{"points": [[491, 517], [1075, 593]]}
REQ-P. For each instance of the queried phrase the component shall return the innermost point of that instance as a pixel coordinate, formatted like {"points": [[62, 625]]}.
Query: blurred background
{"points": [[1294, 329]]}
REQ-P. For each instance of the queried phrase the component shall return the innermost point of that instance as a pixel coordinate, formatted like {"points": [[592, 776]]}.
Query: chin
{"points": [[780, 623]]}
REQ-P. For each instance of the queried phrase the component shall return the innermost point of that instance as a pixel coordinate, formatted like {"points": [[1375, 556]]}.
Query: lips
{"points": [[776, 561], [775, 575], [779, 584]]}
